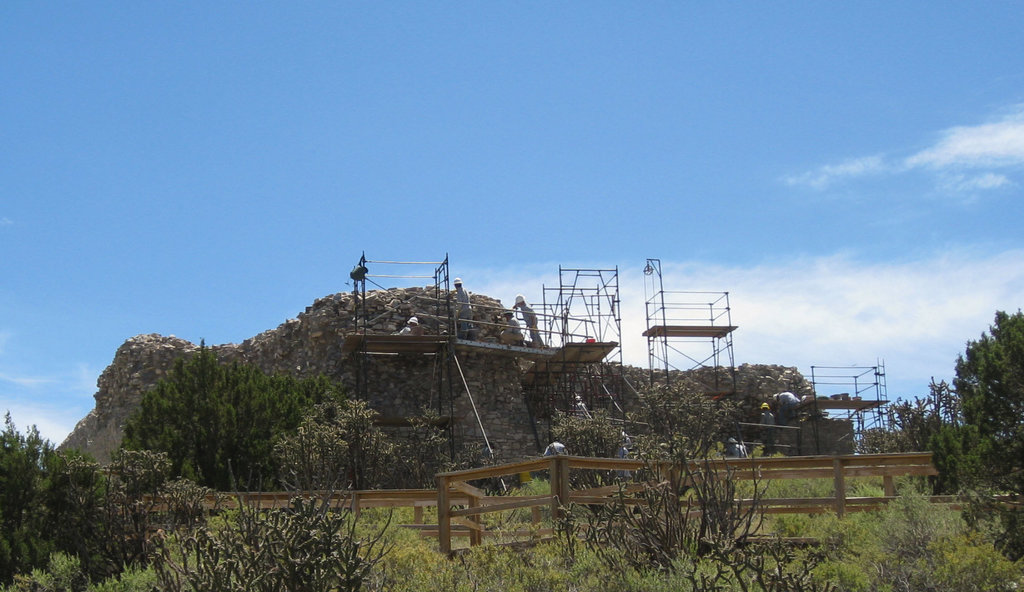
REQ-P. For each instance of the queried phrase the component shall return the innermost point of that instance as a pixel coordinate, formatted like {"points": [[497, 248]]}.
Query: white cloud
{"points": [[825, 175], [84, 378], [53, 424], [997, 144], [24, 381], [987, 147], [917, 315], [54, 404], [834, 311], [972, 183]]}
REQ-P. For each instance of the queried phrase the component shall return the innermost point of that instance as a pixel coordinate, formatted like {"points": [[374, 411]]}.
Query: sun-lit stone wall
{"points": [[483, 384]]}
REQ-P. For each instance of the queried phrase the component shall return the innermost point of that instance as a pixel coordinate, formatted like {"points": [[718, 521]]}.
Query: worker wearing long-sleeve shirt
{"points": [[530, 320], [465, 328]]}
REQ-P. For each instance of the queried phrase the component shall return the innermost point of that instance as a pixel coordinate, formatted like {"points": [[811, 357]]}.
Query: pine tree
{"points": [[217, 423], [990, 383], [23, 541]]}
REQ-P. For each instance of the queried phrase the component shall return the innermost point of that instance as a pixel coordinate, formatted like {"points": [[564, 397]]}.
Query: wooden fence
{"points": [[461, 506], [468, 515]]}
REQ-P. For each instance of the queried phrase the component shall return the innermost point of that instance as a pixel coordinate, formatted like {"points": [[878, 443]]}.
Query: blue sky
{"points": [[850, 172]]}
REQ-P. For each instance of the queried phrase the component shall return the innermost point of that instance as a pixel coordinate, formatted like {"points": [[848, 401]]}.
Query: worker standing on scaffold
{"points": [[530, 320], [465, 328]]}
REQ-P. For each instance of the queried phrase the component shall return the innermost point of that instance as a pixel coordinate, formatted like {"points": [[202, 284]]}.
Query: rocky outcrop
{"points": [[487, 384], [311, 345], [138, 364]]}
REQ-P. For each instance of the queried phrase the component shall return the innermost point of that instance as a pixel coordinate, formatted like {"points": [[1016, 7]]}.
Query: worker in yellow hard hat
{"points": [[768, 431]]}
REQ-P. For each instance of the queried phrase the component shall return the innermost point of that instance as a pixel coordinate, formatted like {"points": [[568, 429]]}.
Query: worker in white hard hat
{"points": [[412, 327], [529, 319], [555, 448], [465, 327]]}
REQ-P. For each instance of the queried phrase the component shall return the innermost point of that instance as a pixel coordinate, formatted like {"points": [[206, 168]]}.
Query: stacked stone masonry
{"points": [[396, 386]]}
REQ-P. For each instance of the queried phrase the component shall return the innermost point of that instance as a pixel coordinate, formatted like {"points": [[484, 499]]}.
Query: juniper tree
{"points": [[218, 423]]}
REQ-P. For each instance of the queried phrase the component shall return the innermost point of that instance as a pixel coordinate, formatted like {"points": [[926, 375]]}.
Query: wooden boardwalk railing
{"points": [[837, 468], [461, 506]]}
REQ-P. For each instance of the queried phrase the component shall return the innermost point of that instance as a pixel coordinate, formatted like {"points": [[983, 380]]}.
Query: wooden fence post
{"points": [[553, 477], [564, 490], [444, 518], [890, 485], [474, 533], [357, 506], [559, 486], [839, 478]]}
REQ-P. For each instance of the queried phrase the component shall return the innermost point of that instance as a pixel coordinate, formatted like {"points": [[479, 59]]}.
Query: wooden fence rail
{"points": [[461, 505], [837, 468]]}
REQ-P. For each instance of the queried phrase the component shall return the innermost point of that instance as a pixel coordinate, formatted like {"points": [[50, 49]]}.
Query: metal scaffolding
{"points": [[854, 393], [582, 323], [585, 306], [436, 312], [689, 332]]}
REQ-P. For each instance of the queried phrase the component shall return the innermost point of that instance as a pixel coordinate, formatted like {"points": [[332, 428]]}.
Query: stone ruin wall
{"points": [[310, 345], [756, 383], [397, 386]]}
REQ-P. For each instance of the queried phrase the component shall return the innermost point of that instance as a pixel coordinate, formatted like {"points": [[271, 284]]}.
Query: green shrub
{"points": [[910, 545], [964, 563], [845, 576], [218, 423], [63, 574], [25, 543], [305, 547], [131, 580]]}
